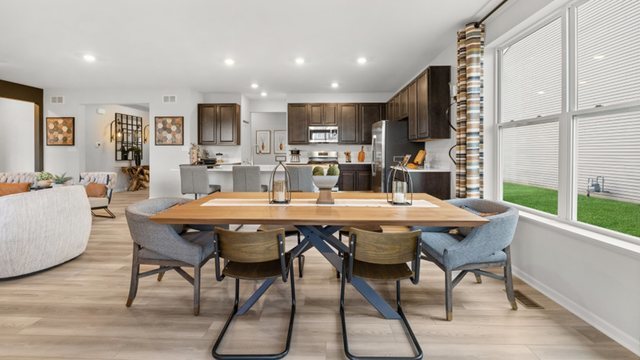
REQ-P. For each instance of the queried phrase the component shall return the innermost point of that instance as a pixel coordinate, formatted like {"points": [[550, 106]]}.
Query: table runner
{"points": [[367, 203]]}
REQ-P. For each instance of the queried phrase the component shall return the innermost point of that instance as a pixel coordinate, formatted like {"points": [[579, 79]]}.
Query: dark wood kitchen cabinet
{"points": [[348, 123], [323, 114], [369, 114], [412, 111], [297, 129], [355, 177], [219, 124], [437, 184], [424, 103]]}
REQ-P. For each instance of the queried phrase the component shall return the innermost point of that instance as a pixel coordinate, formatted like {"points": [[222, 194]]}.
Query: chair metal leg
{"points": [[448, 296], [300, 260], [161, 274], [405, 324], [196, 290], [508, 281], [217, 355], [135, 270], [478, 278], [109, 215]]}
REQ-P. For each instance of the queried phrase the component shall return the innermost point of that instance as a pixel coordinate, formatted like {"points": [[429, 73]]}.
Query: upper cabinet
{"points": [[323, 114], [348, 123], [425, 105], [353, 120], [298, 123], [219, 124]]}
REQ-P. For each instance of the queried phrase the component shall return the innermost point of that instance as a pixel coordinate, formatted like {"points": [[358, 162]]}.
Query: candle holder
{"points": [[280, 189], [399, 186]]}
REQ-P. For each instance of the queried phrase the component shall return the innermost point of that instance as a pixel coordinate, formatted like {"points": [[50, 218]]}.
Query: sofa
{"points": [[18, 177], [42, 229]]}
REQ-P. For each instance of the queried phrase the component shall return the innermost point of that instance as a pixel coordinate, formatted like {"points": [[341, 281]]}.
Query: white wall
{"points": [[266, 121], [16, 137], [164, 160], [97, 129]]}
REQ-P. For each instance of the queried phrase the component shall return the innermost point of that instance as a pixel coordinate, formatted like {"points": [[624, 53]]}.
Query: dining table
{"points": [[319, 223]]}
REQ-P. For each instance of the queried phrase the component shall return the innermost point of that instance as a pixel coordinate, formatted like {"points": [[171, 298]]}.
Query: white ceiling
{"points": [[170, 43]]}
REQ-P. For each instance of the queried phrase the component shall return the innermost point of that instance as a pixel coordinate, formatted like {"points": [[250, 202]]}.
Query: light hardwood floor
{"points": [[77, 311]]}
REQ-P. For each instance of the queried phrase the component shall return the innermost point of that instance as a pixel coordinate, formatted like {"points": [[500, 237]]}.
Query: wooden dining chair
{"points": [[381, 256], [252, 256]]}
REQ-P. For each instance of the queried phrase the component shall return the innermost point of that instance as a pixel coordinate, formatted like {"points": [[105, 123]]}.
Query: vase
{"points": [[325, 184], [44, 183], [137, 159]]}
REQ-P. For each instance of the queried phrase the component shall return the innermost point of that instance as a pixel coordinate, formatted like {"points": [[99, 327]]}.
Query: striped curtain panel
{"points": [[470, 113]]}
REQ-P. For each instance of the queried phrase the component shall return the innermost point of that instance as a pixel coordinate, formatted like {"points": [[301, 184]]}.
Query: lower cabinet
{"points": [[437, 184], [355, 177]]}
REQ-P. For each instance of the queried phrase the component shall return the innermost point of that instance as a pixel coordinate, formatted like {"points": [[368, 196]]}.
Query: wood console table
{"points": [[138, 177]]}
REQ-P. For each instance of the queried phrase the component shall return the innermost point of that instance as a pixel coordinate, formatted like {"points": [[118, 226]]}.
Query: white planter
{"points": [[325, 182]]}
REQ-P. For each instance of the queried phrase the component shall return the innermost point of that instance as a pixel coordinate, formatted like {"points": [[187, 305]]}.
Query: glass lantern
{"points": [[280, 186], [399, 185]]}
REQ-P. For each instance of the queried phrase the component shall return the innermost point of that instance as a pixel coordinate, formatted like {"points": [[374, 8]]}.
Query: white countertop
{"points": [[424, 170]]}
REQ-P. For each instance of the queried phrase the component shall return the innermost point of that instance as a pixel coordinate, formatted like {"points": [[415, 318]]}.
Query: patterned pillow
{"points": [[14, 188]]}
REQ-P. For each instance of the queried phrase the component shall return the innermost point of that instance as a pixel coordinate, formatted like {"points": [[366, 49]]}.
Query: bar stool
{"points": [[378, 256], [252, 256], [195, 180], [247, 179]]}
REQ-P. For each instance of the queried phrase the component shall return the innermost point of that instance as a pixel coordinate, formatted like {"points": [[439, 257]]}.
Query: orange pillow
{"points": [[14, 188], [96, 190]]}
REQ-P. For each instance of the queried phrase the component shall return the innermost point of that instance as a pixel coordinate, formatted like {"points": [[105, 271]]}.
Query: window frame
{"points": [[567, 122]]}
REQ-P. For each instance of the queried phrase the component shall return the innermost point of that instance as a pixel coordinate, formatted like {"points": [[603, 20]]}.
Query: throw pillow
{"points": [[14, 188], [96, 190]]}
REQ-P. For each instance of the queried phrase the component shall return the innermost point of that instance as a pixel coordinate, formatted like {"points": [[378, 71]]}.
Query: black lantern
{"points": [[280, 188], [399, 185]]}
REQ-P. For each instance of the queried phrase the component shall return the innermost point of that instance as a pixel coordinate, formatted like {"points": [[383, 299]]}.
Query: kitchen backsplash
{"points": [[305, 149]]}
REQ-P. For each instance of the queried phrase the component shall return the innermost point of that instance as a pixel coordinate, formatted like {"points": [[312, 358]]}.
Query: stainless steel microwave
{"points": [[323, 134]]}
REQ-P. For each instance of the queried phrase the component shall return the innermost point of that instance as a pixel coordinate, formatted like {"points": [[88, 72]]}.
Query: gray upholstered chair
{"points": [[252, 256], [301, 178], [384, 257], [473, 249], [167, 246], [247, 179], [194, 179], [107, 179]]}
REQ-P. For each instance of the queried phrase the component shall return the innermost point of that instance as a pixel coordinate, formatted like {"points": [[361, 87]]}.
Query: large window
{"points": [[573, 151]]}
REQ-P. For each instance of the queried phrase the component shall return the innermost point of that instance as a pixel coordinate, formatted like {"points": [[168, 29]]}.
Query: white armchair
{"points": [[108, 179]]}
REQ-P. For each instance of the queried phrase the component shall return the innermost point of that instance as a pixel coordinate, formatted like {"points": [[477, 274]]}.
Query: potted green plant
{"points": [[59, 180], [44, 179], [137, 154]]}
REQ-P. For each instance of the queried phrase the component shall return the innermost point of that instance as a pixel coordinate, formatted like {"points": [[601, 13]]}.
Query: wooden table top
{"points": [[444, 214]]}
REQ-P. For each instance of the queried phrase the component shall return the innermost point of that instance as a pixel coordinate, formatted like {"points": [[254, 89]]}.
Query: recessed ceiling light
{"points": [[598, 57], [540, 92], [335, 85], [229, 62], [362, 60], [264, 93], [89, 58], [254, 86], [299, 60]]}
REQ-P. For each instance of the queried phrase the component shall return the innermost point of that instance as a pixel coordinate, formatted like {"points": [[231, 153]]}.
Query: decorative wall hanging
{"points": [[61, 131], [126, 131], [263, 141], [169, 130], [279, 141]]}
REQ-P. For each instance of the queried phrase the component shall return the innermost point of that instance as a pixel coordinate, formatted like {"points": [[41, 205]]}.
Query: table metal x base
{"points": [[321, 237]]}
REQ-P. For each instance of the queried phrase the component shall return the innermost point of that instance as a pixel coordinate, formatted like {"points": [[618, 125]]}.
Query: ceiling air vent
{"points": [[169, 99], [57, 99]]}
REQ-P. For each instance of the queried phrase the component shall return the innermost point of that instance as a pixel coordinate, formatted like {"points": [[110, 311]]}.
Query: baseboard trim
{"points": [[592, 319]]}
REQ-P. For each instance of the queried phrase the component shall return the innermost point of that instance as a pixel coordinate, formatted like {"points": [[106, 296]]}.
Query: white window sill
{"points": [[605, 241]]}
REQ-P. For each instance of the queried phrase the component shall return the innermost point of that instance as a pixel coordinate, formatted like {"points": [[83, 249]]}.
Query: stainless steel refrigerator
{"points": [[389, 140]]}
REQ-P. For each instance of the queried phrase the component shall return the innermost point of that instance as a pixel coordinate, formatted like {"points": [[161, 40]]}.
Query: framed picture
{"points": [[279, 141], [263, 141], [61, 131], [169, 130]]}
